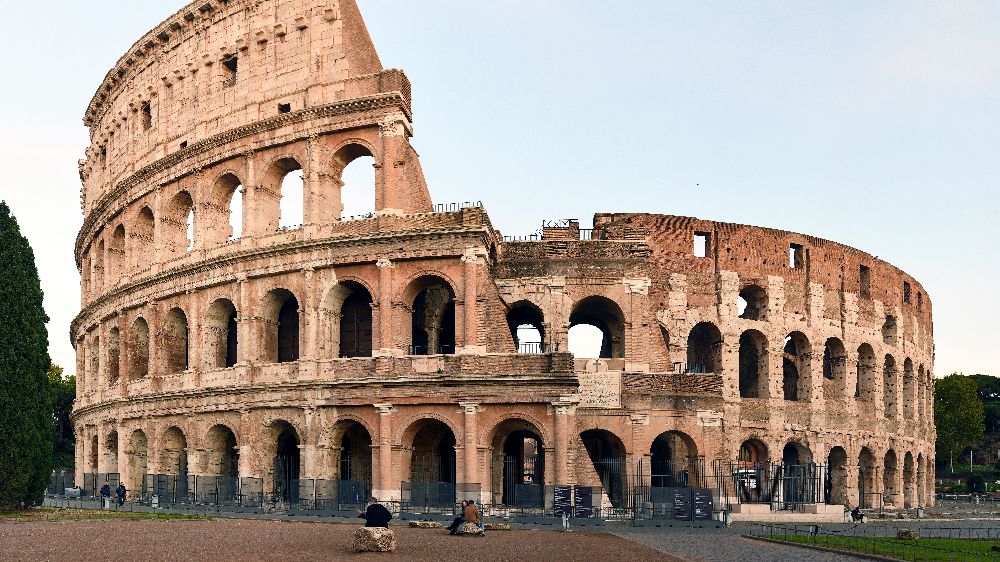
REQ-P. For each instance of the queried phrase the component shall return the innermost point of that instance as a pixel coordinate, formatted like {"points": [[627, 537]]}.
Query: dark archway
{"points": [[433, 320], [673, 461], [281, 317], [354, 482], [753, 365], [704, 352], [607, 453], [527, 327], [356, 323], [433, 464], [222, 466], [752, 303], [834, 369], [837, 463], [221, 334], [175, 341], [889, 387], [795, 367], [138, 350], [606, 316], [287, 461]]}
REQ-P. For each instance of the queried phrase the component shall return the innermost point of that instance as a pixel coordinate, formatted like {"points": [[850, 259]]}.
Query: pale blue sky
{"points": [[875, 124]]}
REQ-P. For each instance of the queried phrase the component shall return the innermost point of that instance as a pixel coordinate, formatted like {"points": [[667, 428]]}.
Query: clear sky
{"points": [[875, 124]]}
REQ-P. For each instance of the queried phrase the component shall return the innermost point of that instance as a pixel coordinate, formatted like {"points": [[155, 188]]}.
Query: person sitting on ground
{"points": [[471, 513], [453, 528], [857, 514], [376, 515]]}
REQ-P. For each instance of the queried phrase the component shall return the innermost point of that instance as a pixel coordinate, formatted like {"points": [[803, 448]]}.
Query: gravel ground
{"points": [[722, 545], [219, 540]]}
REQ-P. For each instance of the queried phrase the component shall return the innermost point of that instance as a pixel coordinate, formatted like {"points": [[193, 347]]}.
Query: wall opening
{"points": [[281, 317], [704, 349], [752, 303], [178, 226], [909, 389], [518, 465], [173, 455], [889, 386], [433, 320], [837, 463], [607, 453], [142, 240], [865, 275], [116, 255], [356, 323], [137, 455], [753, 365], [606, 317], [138, 350], [354, 479], [702, 241], [672, 461], [287, 461], [906, 292], [358, 192], [834, 368], [795, 367], [432, 464], [221, 334], [889, 330], [175, 341], [796, 256], [292, 200], [223, 458], [114, 356], [527, 329], [146, 110], [231, 67], [866, 381]]}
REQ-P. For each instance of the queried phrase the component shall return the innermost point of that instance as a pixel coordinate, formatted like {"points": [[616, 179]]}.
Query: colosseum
{"points": [[237, 329]]}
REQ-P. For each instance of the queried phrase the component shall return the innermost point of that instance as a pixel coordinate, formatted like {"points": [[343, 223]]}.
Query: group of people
{"points": [[376, 515], [120, 491]]}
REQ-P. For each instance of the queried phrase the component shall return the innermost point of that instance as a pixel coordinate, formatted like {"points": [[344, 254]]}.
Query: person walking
{"points": [[106, 496], [453, 528], [121, 491], [376, 515]]}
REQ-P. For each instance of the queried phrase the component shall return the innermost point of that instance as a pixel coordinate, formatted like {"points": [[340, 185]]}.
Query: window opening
{"points": [[906, 292], [231, 65], [701, 242], [292, 187], [920, 301], [795, 258], [284, 108], [865, 275], [147, 115]]}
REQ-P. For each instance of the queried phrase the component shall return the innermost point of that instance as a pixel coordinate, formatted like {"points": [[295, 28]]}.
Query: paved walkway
{"points": [[722, 545]]}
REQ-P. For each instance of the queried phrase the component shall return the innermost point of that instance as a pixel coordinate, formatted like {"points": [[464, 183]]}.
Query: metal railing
{"points": [[444, 349], [532, 347], [452, 207]]}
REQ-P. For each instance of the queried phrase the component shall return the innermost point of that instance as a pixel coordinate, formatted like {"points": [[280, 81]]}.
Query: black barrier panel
{"points": [[584, 500], [530, 495], [354, 492], [681, 500], [430, 494], [562, 499], [702, 502]]}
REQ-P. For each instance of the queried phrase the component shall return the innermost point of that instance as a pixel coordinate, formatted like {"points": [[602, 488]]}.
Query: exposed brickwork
{"points": [[396, 330]]}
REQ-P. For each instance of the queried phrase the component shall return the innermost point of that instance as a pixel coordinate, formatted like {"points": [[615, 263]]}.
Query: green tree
{"points": [[25, 403], [63, 391], [958, 415]]}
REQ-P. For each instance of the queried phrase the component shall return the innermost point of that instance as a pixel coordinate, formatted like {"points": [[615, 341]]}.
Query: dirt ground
{"points": [[218, 540]]}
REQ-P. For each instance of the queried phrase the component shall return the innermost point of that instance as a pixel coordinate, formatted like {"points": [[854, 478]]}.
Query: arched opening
{"points": [[752, 303], [221, 335], [921, 396], [799, 478], [753, 364], [432, 464], [291, 187], [889, 330], [921, 491], [752, 474], [909, 483], [889, 373], [357, 192], [795, 367], [98, 278], [909, 392], [138, 349], [356, 322], [143, 254], [175, 341], [889, 475], [518, 464], [116, 254], [281, 317], [111, 459], [867, 494], [230, 189], [178, 225], [137, 455], [834, 369], [355, 480], [704, 351], [173, 453], [286, 463], [222, 463], [95, 360], [433, 320], [866, 382], [607, 453], [526, 327], [114, 356], [673, 461], [605, 316], [837, 463], [92, 457]]}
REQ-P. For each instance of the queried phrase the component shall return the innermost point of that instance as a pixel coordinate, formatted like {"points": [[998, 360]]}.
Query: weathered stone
{"points": [[425, 524], [374, 539], [497, 526], [470, 529], [907, 535]]}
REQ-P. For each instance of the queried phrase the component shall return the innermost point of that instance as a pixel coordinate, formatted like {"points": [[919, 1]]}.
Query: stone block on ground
{"points": [[907, 535], [425, 524], [374, 539], [497, 526], [470, 529]]}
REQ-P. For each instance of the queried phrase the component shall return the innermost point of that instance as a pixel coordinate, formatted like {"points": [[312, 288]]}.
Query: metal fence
{"points": [[784, 486]]}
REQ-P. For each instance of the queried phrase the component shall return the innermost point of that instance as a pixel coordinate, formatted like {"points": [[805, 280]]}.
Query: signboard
{"points": [[584, 499], [682, 503], [702, 499], [601, 390], [562, 501]]}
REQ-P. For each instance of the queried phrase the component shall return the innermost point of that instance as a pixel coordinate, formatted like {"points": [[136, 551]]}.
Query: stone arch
{"points": [[889, 387], [798, 474], [116, 254], [280, 315], [838, 474], [347, 313], [795, 367], [137, 455], [889, 475], [867, 382], [227, 203], [607, 453], [607, 317], [138, 349], [143, 243], [285, 443], [178, 227], [222, 452], [526, 322], [704, 349], [753, 374], [432, 464], [752, 303], [283, 182], [867, 492], [796, 452], [114, 356], [909, 482], [834, 369], [753, 451], [175, 341], [173, 452], [432, 320], [352, 446], [517, 463], [890, 330], [221, 334], [909, 390], [673, 460], [349, 202]]}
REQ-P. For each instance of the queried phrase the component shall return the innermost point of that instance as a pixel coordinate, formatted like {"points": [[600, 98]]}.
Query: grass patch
{"points": [[68, 514], [920, 549]]}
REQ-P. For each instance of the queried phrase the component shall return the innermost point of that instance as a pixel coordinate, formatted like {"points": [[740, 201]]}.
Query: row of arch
{"points": [[221, 212], [345, 314]]}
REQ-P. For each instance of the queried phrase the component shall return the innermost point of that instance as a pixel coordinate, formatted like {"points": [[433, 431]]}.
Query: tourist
{"points": [[471, 513], [453, 528], [121, 491], [106, 496], [857, 515], [376, 515]]}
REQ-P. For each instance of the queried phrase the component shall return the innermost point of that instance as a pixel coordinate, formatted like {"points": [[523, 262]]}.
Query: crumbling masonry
{"points": [[390, 346]]}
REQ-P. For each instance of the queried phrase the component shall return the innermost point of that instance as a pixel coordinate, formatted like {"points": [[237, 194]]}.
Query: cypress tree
{"points": [[25, 403]]}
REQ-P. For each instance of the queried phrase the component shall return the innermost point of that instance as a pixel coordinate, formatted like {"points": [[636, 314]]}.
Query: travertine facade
{"points": [[391, 341]]}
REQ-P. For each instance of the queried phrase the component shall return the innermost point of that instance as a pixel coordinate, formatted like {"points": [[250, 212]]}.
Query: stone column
{"points": [[194, 358], [564, 408], [246, 350], [472, 262], [382, 314], [390, 194], [250, 227], [470, 446], [310, 306], [386, 489]]}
